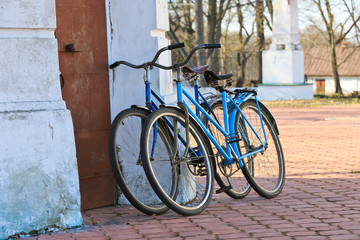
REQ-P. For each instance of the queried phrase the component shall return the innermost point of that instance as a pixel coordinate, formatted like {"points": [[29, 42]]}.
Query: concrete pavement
{"points": [[320, 200]]}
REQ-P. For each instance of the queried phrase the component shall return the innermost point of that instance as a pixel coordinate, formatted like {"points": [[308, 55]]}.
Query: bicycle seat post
{"points": [[147, 87], [196, 92], [178, 85]]}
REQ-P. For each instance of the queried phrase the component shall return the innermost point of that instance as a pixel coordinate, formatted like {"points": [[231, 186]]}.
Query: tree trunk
{"points": [[200, 31], [211, 22], [260, 35], [242, 59], [200, 36], [215, 55], [334, 66]]}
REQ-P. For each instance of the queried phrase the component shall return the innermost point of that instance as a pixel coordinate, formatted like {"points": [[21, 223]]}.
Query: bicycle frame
{"points": [[148, 91], [229, 122], [150, 104]]}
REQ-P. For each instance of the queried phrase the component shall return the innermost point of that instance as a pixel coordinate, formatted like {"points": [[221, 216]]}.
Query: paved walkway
{"points": [[320, 200]]}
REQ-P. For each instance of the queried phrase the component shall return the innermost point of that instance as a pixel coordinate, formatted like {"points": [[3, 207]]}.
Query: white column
{"points": [[283, 64], [136, 31], [38, 175], [286, 27]]}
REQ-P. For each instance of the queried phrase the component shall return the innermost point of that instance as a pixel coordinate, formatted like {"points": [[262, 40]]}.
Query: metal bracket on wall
{"points": [[71, 47]]}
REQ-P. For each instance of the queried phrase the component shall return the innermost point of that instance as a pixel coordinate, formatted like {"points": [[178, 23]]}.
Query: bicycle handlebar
{"points": [[178, 45], [213, 45], [205, 46], [170, 47]]}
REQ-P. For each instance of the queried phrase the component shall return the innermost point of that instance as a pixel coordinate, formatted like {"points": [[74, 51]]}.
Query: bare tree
{"points": [[213, 30], [215, 16], [335, 34], [309, 37], [182, 17], [260, 18], [269, 6], [350, 7], [200, 33], [244, 37], [260, 34]]}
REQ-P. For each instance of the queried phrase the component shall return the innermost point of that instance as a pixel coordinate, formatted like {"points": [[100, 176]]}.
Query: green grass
{"points": [[316, 102]]}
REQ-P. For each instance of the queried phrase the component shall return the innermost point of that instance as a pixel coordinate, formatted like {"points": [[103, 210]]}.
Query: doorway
{"points": [[320, 86], [83, 60]]}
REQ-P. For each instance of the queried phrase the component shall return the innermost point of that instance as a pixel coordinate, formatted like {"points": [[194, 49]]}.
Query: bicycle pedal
{"points": [[223, 189], [197, 161], [233, 139]]}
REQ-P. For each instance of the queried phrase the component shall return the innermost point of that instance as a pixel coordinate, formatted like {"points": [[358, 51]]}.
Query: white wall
{"points": [[285, 92], [136, 31], [135, 34], [38, 176], [283, 67]]}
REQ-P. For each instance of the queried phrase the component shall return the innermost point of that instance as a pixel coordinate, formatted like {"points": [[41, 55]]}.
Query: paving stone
{"points": [[320, 199], [310, 238]]}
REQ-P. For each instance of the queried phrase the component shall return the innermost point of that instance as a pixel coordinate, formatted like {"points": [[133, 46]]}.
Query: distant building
{"points": [[283, 63], [318, 69]]}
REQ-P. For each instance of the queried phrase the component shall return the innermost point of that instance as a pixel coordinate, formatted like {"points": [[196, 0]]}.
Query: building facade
{"points": [[318, 70]]}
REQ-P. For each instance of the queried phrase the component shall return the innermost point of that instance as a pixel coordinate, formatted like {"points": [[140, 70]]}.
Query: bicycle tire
{"points": [[267, 175], [195, 173], [124, 150], [230, 175]]}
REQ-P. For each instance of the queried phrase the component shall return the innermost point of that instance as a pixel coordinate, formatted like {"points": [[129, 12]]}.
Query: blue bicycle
{"points": [[249, 143], [124, 138]]}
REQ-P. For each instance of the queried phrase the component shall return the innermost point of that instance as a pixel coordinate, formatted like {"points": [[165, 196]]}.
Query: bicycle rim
{"points": [[267, 175], [124, 149], [229, 175], [193, 166]]}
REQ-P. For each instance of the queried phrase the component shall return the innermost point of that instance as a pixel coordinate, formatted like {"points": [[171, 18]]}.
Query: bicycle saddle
{"points": [[198, 70], [218, 81]]}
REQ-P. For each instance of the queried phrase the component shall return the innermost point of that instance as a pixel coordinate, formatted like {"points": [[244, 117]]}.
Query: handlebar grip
{"points": [[177, 45], [213, 45], [115, 64]]}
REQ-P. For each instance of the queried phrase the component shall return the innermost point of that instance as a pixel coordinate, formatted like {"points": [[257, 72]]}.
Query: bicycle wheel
{"points": [[267, 175], [124, 150], [230, 178], [189, 158]]}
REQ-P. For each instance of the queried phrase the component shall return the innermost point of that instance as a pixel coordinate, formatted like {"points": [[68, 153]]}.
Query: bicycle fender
{"points": [[267, 111], [140, 107], [213, 101], [170, 106]]}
